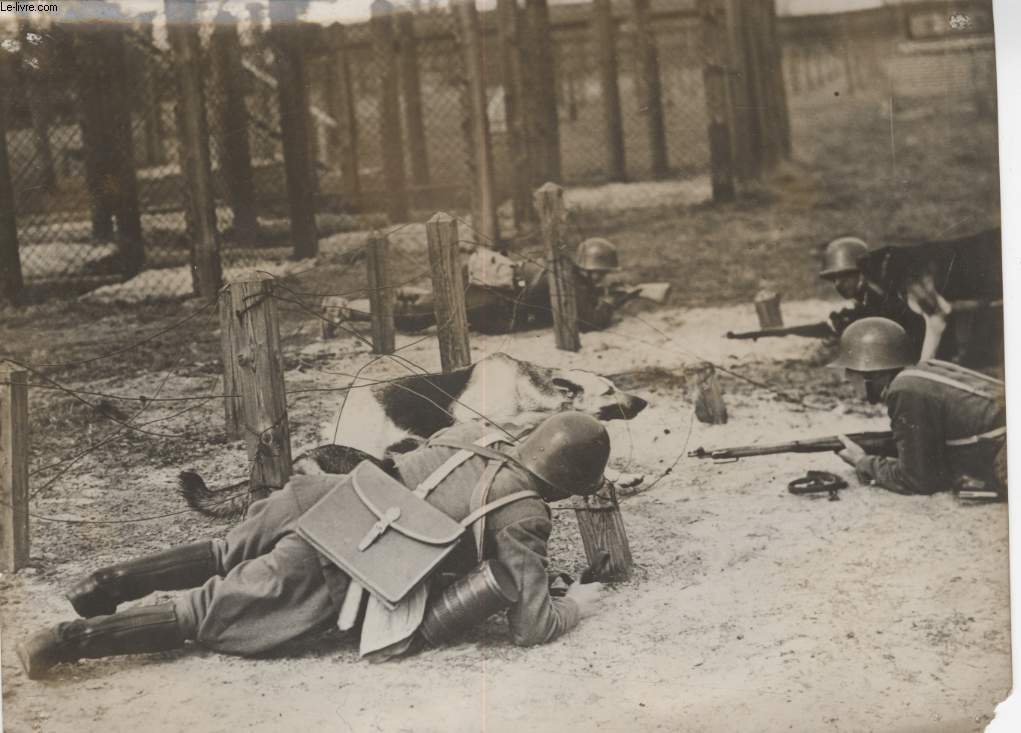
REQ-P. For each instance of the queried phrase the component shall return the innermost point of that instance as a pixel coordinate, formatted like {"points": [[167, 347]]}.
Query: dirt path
{"points": [[751, 609]]}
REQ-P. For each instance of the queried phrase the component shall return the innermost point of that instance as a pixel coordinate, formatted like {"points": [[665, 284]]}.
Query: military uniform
{"points": [[947, 421], [873, 301], [276, 587]]}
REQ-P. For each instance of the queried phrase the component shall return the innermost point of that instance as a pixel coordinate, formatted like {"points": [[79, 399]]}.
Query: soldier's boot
{"points": [[187, 566], [136, 631]]}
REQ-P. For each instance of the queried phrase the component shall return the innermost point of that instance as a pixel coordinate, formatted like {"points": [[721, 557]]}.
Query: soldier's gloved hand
{"points": [[852, 452], [587, 596]]}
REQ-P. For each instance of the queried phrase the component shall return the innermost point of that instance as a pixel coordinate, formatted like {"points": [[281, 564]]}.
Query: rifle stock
{"points": [[818, 330], [877, 442]]}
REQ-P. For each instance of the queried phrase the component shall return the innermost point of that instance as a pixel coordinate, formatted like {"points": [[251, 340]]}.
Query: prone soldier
{"points": [[948, 422], [841, 266], [265, 585]]}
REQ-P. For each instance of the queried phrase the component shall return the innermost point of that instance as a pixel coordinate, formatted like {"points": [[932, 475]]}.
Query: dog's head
{"points": [[508, 390]]}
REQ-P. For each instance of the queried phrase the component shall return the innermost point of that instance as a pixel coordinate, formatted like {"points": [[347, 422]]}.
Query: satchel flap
{"points": [[387, 498]]}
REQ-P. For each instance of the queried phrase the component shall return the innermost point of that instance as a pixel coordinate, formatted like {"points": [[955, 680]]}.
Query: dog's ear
{"points": [[569, 388]]}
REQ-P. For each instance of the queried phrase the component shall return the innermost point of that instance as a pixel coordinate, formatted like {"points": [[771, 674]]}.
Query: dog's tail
{"points": [[228, 503]]}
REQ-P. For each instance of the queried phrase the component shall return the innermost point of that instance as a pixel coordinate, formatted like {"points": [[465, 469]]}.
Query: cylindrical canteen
{"points": [[469, 601]]}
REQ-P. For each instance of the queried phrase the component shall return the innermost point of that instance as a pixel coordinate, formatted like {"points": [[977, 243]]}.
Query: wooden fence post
{"points": [[448, 291], [411, 87], [11, 280], [386, 63], [776, 89], [340, 104], [652, 90], [90, 76], [482, 155], [707, 395], [130, 243], [14, 538], [714, 75], [381, 293], [259, 371], [543, 80], [514, 105], [604, 36], [232, 410], [603, 535], [746, 165], [232, 128], [288, 38], [549, 203], [193, 148]]}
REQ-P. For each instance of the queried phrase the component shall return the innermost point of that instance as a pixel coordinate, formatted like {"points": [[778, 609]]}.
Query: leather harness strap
{"points": [[448, 466]]}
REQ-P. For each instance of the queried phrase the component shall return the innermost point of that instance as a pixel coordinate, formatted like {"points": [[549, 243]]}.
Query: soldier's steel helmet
{"points": [[568, 451], [842, 256], [597, 254], [874, 345]]}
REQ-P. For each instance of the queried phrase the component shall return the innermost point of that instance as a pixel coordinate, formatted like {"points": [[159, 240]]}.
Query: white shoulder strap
{"points": [[943, 379]]}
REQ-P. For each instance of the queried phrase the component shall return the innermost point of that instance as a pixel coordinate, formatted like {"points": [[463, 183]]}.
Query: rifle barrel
{"points": [[876, 440]]}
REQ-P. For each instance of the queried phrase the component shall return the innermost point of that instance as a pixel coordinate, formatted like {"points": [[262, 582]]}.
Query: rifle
{"points": [[819, 330], [877, 442]]}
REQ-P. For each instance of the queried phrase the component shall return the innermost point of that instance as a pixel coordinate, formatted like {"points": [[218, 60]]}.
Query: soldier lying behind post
{"points": [[265, 584], [948, 422], [505, 296]]}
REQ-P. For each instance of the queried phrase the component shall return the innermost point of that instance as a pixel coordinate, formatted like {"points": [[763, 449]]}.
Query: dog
{"points": [[379, 420], [956, 286]]}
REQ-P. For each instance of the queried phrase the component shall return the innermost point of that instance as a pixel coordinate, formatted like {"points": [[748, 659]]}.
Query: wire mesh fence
{"points": [[94, 136]]}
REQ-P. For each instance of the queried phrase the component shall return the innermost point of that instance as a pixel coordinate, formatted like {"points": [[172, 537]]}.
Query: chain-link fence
{"points": [[94, 141]]}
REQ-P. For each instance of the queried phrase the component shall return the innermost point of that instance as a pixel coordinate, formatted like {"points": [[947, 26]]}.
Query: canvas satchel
{"points": [[387, 538]]}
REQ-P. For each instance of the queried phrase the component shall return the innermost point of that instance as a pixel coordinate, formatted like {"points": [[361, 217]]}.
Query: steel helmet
{"points": [[568, 451], [597, 254], [842, 255], [874, 345]]}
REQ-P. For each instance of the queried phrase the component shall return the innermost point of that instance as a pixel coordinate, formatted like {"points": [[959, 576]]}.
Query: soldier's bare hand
{"points": [[587, 596], [852, 452]]}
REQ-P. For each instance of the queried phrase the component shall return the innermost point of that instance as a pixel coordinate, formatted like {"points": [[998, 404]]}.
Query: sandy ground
{"points": [[750, 609]]}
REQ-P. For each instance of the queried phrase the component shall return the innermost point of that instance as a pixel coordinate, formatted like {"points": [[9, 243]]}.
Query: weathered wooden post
{"points": [[776, 89], [340, 103], [11, 280], [482, 148], [448, 291], [13, 467], [232, 127], [384, 47], [543, 81], [549, 203], [746, 166], [411, 88], [288, 39], [130, 243], [381, 293], [767, 306], [232, 410], [259, 375], [757, 73], [651, 103], [707, 395], [90, 75], [514, 104], [604, 36], [714, 75], [193, 148], [603, 535]]}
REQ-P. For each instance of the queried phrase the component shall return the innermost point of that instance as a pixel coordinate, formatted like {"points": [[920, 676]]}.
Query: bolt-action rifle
{"points": [[819, 330], [876, 443]]}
